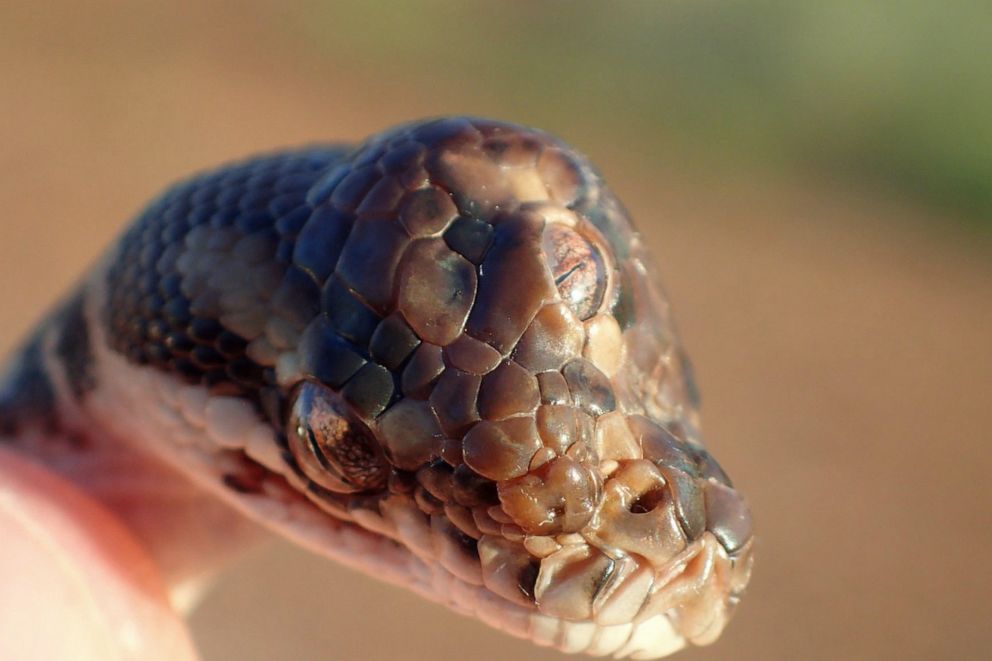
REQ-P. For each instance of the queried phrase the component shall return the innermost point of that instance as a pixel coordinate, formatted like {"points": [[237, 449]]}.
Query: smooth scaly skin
{"points": [[439, 357]]}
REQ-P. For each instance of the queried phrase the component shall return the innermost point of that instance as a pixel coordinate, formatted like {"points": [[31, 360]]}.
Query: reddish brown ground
{"points": [[842, 343]]}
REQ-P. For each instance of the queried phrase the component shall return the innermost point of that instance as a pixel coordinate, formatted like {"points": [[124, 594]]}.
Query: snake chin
{"points": [[577, 599], [569, 592]]}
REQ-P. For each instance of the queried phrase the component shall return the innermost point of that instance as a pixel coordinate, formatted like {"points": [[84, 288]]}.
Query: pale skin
{"points": [[76, 583]]}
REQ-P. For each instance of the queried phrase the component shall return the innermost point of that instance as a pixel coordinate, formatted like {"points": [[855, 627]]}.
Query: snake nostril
{"points": [[527, 579], [647, 501], [558, 497]]}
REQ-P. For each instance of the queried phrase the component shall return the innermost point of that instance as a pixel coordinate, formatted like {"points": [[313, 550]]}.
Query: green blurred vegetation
{"points": [[886, 94]]}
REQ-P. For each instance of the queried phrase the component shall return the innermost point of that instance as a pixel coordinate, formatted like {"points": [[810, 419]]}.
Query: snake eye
{"points": [[578, 269], [332, 448]]}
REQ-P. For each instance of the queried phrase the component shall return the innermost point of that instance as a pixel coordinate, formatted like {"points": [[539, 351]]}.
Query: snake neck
{"points": [[45, 387]]}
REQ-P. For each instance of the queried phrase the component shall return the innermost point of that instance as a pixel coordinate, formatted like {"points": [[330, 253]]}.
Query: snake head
{"points": [[494, 380], [465, 368]]}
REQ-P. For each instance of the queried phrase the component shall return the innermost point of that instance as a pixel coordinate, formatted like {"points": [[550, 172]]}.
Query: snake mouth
{"points": [[658, 547], [690, 599], [573, 592], [578, 592]]}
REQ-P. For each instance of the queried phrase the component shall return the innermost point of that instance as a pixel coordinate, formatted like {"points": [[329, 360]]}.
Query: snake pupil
{"points": [[331, 448], [578, 269]]}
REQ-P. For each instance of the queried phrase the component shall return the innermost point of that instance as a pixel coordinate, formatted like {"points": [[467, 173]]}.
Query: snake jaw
{"points": [[444, 352]]}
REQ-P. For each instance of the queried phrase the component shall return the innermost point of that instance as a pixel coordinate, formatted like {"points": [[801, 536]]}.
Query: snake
{"points": [[441, 357]]}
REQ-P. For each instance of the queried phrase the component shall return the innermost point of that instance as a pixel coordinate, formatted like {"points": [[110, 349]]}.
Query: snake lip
{"points": [[687, 598]]}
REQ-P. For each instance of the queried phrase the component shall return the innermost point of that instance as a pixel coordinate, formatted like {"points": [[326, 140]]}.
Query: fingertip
{"points": [[76, 584]]}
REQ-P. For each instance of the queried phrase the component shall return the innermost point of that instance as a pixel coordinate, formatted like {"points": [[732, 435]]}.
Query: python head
{"points": [[454, 369]]}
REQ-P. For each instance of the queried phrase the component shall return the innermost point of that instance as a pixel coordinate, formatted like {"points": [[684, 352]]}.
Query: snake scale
{"points": [[439, 357]]}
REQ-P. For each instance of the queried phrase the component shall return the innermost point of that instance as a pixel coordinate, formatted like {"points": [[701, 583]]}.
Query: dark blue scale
{"points": [[147, 315]]}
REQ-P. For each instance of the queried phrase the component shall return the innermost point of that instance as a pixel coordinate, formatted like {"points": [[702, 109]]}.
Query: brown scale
{"points": [[503, 449], [507, 391], [454, 401], [410, 433], [562, 426], [470, 355], [559, 497], [516, 283], [552, 339], [436, 290], [427, 212]]}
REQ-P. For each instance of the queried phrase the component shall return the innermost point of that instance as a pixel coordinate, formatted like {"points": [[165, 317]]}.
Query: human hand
{"points": [[74, 583]]}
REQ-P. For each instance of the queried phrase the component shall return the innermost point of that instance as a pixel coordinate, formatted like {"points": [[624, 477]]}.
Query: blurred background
{"points": [[815, 180]]}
